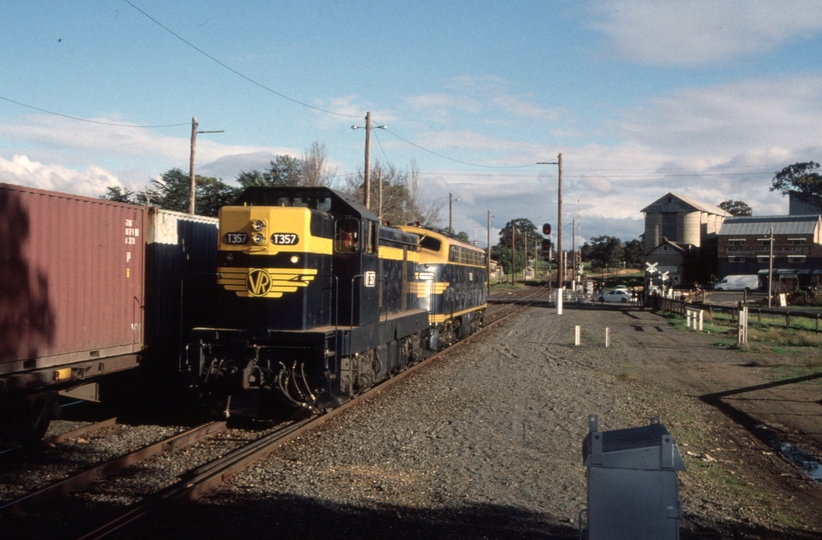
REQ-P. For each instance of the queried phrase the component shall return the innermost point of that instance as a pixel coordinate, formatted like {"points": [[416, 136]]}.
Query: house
{"points": [[681, 238], [744, 247]]}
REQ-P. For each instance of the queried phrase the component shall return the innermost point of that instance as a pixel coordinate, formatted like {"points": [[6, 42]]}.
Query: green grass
{"points": [[771, 330]]}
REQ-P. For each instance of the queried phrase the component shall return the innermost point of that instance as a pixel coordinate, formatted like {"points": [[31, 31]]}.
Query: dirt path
{"points": [[725, 409]]}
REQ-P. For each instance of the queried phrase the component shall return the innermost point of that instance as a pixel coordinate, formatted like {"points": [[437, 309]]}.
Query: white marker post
{"points": [[559, 300], [576, 335]]}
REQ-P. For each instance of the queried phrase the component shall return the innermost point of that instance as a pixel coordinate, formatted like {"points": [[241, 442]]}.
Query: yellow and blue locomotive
{"points": [[451, 284], [319, 301]]}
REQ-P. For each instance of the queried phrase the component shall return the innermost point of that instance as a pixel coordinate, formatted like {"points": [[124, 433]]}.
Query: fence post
{"points": [[742, 337]]}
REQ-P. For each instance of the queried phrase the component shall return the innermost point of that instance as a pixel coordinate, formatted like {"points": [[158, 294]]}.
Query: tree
{"points": [[634, 253], [284, 171], [736, 208], [522, 226], [603, 251], [802, 181], [502, 255], [314, 167], [171, 192], [118, 194], [401, 194], [213, 194]]}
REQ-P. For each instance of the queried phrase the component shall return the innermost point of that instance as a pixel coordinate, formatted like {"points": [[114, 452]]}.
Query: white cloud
{"points": [[123, 155], [20, 170], [702, 32], [759, 116]]}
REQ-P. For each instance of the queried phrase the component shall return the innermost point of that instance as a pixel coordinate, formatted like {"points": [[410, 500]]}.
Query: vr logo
{"points": [[258, 282]]}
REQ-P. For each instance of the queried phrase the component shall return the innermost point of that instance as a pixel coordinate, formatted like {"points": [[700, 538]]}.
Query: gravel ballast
{"points": [[486, 442]]}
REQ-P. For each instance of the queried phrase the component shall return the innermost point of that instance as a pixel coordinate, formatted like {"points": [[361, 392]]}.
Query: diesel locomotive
{"points": [[319, 301]]}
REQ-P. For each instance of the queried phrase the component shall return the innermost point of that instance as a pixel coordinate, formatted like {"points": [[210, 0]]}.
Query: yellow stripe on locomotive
{"points": [[264, 282], [264, 231]]}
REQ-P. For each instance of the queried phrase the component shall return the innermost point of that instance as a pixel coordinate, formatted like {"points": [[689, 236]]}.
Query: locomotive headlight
{"points": [[258, 238], [294, 259], [258, 225]]}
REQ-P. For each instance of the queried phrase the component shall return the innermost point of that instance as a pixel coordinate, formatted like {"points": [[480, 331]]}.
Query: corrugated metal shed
{"points": [[761, 225], [181, 265]]}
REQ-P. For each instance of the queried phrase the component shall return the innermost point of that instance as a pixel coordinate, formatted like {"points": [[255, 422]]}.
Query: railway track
{"points": [[195, 482], [8, 453]]}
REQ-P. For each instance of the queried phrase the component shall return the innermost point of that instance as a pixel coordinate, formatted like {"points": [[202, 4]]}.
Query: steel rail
{"points": [[203, 479], [73, 434], [108, 468]]}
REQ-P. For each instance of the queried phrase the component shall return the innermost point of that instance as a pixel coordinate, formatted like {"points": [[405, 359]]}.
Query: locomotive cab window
{"points": [[347, 237]]}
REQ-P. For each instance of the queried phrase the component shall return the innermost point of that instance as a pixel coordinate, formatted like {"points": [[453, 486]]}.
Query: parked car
{"points": [[616, 295]]}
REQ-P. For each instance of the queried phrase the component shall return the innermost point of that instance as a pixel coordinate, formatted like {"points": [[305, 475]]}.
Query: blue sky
{"points": [[706, 99]]}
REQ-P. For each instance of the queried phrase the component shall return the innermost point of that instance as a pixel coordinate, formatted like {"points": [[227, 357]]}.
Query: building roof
{"points": [[678, 203], [761, 225], [682, 249]]}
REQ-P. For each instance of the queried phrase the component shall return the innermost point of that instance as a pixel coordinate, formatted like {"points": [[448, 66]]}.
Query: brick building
{"points": [[744, 248]]}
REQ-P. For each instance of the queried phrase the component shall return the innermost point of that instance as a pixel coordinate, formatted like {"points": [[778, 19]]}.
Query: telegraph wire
{"points": [[232, 70], [86, 119]]}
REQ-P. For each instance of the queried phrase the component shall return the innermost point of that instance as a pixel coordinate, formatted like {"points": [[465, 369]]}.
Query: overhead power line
{"points": [[457, 160], [234, 71], [86, 119]]}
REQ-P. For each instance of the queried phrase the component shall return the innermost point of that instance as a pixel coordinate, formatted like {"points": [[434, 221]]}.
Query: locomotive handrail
{"points": [[351, 320], [336, 316]]}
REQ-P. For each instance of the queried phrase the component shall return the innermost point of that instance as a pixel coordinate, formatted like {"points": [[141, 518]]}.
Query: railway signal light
{"points": [[546, 229], [546, 249]]}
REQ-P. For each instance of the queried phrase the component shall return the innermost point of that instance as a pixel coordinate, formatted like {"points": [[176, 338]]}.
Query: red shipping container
{"points": [[71, 285]]}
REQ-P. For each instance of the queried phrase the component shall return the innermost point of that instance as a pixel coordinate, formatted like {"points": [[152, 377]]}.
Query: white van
{"points": [[738, 282]]}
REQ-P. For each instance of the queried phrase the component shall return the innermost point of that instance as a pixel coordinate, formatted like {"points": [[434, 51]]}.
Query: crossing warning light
{"points": [[546, 229]]}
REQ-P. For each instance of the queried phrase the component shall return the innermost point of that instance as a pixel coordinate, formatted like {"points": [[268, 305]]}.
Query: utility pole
{"points": [[488, 256], [451, 200], [574, 250], [192, 186], [367, 173], [379, 210], [525, 262], [770, 270], [561, 266], [513, 252], [192, 183], [560, 263]]}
